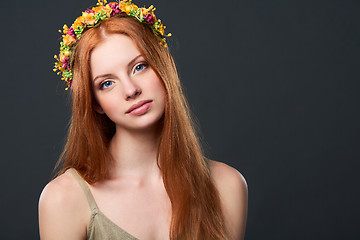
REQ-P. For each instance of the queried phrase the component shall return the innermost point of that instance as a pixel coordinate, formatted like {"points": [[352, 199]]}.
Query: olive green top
{"points": [[100, 227]]}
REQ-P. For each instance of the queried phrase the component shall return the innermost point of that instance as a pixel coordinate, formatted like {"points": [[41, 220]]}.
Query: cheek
{"points": [[108, 104], [158, 86], [160, 91]]}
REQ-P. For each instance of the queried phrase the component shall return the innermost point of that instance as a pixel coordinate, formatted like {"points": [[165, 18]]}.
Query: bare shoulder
{"points": [[233, 193], [223, 174], [61, 190], [63, 209]]}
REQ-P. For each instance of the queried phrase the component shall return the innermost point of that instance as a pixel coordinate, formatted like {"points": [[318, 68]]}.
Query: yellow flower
{"points": [[128, 9], [62, 56], [101, 2], [65, 29], [66, 53], [89, 18], [68, 40], [108, 10]]}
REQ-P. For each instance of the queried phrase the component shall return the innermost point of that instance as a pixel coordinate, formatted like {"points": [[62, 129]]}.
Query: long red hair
{"points": [[196, 207]]}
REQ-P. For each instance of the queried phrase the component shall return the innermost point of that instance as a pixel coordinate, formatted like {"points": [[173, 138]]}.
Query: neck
{"points": [[134, 153]]}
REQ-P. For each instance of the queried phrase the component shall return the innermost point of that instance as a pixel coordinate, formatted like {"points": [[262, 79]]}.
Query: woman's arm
{"points": [[233, 192], [63, 210]]}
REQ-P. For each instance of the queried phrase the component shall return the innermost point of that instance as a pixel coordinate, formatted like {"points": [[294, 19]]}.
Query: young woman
{"points": [[132, 167]]}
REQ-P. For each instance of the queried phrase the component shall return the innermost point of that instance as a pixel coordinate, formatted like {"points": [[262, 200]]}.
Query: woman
{"points": [[132, 167]]}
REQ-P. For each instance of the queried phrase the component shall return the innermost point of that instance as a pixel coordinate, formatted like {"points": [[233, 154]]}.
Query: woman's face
{"points": [[126, 88]]}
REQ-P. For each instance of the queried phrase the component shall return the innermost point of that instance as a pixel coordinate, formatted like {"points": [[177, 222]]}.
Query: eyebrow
{"points": [[109, 75]]}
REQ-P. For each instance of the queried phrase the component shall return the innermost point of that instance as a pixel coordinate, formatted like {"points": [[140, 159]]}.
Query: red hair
{"points": [[195, 201]]}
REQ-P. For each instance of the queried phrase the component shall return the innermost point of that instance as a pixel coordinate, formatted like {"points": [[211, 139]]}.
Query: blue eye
{"points": [[140, 67], [106, 84]]}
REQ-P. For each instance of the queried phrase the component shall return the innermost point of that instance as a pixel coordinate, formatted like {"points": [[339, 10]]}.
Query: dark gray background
{"points": [[274, 85]]}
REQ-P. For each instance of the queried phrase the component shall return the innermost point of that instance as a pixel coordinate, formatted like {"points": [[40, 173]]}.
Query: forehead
{"points": [[115, 51]]}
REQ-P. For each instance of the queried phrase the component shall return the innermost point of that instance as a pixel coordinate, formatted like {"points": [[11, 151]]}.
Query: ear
{"points": [[98, 109]]}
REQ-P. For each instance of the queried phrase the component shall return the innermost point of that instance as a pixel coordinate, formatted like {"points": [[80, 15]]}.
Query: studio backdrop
{"points": [[273, 85]]}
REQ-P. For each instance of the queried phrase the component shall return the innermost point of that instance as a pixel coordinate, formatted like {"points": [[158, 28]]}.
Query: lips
{"points": [[137, 105]]}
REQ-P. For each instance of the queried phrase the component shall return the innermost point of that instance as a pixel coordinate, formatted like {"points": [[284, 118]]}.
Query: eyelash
{"points": [[101, 86], [144, 64]]}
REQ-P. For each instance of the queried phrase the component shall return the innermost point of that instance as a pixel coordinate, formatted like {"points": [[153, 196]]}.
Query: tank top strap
{"points": [[86, 189]]}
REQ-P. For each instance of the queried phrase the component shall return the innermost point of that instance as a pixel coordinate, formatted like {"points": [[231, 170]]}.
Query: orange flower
{"points": [[127, 6], [89, 18], [148, 10], [103, 9], [62, 57], [68, 40], [78, 22], [134, 7], [160, 27], [97, 9]]}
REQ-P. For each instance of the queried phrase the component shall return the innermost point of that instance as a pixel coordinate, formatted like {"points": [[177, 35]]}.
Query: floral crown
{"points": [[93, 17]]}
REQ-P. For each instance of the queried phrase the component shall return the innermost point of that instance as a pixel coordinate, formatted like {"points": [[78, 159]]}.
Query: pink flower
{"points": [[89, 11], [65, 63], [149, 18], [65, 60], [115, 8], [71, 32]]}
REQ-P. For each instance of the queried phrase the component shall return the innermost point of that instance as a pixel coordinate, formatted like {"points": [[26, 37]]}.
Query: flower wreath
{"points": [[92, 18]]}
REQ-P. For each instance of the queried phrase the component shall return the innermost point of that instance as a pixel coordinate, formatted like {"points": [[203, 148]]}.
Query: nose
{"points": [[131, 89]]}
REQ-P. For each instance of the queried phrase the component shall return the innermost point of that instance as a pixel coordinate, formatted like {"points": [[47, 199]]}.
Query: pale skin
{"points": [[134, 196]]}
